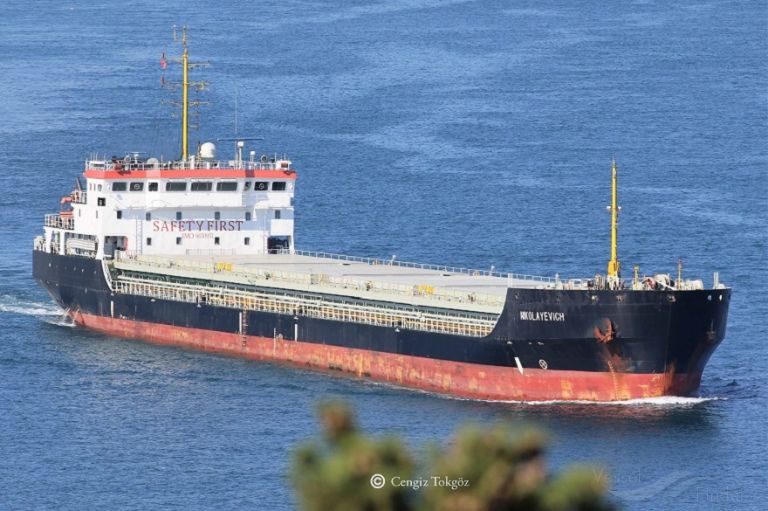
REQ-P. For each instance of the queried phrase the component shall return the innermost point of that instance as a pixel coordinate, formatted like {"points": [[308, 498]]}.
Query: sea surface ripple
{"points": [[471, 133]]}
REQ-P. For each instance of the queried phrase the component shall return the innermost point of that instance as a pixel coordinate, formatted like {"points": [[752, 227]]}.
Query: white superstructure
{"points": [[196, 206]]}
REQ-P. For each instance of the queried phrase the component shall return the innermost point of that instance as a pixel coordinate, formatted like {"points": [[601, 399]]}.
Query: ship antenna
{"points": [[237, 94], [184, 96], [185, 84], [613, 264]]}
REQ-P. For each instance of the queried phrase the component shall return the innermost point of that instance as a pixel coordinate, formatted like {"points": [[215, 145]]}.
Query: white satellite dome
{"points": [[208, 151]]}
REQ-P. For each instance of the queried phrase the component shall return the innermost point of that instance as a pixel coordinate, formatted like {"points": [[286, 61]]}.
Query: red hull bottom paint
{"points": [[472, 381]]}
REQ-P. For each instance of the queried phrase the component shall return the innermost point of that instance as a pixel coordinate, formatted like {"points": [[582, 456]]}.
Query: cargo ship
{"points": [[199, 252]]}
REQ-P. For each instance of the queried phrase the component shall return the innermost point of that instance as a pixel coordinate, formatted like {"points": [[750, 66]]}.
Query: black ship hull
{"points": [[547, 343]]}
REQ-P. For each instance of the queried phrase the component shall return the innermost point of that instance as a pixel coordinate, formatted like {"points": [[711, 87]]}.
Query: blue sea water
{"points": [[472, 133]]}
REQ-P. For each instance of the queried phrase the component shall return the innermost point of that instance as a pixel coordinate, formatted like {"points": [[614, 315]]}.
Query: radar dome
{"points": [[208, 151]]}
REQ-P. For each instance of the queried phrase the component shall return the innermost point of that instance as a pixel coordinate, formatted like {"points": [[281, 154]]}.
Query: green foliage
{"points": [[336, 475], [484, 469]]}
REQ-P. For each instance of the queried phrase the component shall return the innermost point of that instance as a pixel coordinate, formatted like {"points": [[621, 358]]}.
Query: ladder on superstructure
{"points": [[139, 236]]}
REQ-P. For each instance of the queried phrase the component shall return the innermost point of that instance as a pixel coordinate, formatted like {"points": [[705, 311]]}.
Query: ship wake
{"points": [[14, 305], [649, 402], [661, 401]]}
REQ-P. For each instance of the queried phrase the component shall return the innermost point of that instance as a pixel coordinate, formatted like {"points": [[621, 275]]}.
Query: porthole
{"points": [[543, 364]]}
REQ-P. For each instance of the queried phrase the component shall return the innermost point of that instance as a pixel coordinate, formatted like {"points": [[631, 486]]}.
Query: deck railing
{"points": [[210, 252], [131, 164], [79, 197], [60, 222], [449, 322], [423, 266]]}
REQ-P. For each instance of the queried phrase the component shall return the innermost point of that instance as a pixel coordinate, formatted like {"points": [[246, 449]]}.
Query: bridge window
{"points": [[216, 240], [178, 215], [226, 186], [119, 186], [101, 201], [277, 214], [217, 215], [247, 216], [260, 186], [278, 186], [247, 186], [178, 240], [176, 186], [201, 186], [149, 242], [119, 214], [136, 187], [247, 241], [152, 187]]}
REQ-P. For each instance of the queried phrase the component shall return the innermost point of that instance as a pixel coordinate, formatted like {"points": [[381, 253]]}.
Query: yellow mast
{"points": [[613, 264], [184, 97]]}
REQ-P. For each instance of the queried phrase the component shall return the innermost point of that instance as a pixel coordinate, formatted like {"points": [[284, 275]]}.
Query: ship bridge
{"points": [[190, 206]]}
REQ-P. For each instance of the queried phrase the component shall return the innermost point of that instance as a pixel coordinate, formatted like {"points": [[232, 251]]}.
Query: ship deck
{"points": [[377, 279]]}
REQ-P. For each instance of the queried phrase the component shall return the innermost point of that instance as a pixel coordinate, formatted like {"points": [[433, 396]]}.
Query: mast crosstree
{"points": [[185, 85]]}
